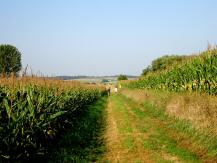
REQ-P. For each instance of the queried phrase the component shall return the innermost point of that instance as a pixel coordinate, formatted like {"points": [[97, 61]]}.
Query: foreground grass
{"points": [[145, 133], [84, 142], [191, 114], [180, 137]]}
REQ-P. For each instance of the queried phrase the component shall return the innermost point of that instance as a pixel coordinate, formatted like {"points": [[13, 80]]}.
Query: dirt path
{"points": [[139, 134]]}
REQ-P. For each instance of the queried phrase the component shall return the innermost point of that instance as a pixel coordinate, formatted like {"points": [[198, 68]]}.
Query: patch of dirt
{"points": [[170, 157], [112, 140]]}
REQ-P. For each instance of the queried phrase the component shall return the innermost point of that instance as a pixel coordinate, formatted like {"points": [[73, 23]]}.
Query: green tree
{"points": [[104, 81], [10, 60], [122, 77], [146, 70], [164, 62]]}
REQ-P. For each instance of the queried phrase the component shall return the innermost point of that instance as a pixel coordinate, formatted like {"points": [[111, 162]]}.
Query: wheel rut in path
{"points": [[134, 134]]}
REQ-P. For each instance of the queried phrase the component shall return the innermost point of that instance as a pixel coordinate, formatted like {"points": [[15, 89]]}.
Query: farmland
{"points": [[108, 81], [36, 112], [195, 75], [94, 79], [165, 116]]}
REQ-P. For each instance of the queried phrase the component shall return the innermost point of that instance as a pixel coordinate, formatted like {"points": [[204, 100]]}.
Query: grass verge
{"points": [[178, 138]]}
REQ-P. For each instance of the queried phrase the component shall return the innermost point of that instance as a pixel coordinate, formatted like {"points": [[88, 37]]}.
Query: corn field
{"points": [[199, 74], [35, 112]]}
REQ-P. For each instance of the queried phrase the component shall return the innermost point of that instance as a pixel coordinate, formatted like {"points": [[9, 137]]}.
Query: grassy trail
{"points": [[140, 133]]}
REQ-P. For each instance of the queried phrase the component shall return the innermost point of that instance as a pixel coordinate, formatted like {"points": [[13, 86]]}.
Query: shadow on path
{"points": [[84, 142]]}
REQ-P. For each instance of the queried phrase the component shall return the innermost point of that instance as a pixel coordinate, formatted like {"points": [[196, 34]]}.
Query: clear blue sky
{"points": [[105, 37]]}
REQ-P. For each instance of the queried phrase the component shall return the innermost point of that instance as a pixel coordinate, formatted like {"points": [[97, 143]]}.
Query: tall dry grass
{"points": [[19, 82], [199, 109]]}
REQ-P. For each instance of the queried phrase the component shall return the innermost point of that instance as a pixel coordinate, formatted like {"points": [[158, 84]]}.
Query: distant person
{"points": [[116, 89], [109, 91]]}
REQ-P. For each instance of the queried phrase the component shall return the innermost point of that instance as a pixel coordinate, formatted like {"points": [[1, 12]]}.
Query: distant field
{"points": [[99, 79]]}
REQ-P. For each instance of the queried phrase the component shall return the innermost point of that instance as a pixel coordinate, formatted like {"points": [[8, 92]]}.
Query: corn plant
{"points": [[33, 116], [199, 74]]}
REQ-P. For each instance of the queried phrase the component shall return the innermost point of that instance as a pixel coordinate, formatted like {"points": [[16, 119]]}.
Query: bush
{"points": [[122, 77]]}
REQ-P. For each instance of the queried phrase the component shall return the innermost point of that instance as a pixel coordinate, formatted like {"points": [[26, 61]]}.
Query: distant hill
{"points": [[89, 77]]}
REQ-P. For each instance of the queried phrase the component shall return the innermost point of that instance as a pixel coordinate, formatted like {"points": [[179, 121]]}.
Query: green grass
{"points": [[162, 141], [84, 142], [128, 143], [159, 126], [121, 115], [205, 138]]}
